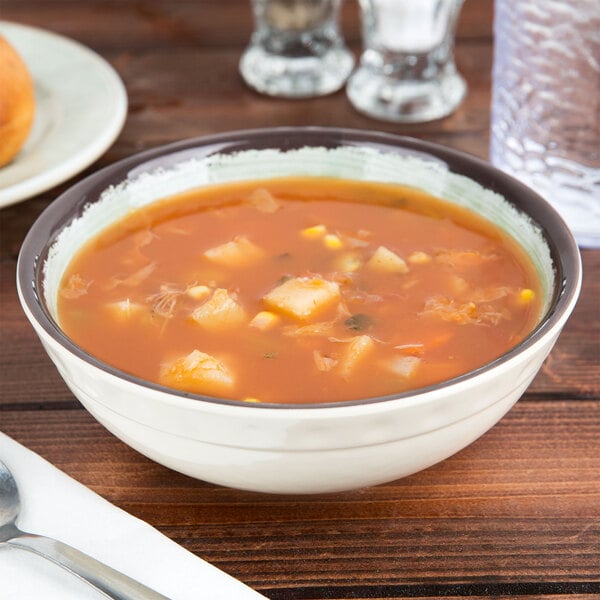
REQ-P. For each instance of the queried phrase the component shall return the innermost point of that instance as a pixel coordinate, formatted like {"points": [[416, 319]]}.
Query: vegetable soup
{"points": [[299, 290]]}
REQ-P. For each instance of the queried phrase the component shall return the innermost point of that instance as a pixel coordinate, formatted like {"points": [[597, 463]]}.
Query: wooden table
{"points": [[516, 513]]}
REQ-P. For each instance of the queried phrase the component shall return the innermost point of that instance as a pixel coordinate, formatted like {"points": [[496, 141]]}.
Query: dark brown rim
{"points": [[70, 205]]}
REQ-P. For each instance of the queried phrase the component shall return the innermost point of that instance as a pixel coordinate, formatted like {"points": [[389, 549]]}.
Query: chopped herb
{"points": [[359, 322]]}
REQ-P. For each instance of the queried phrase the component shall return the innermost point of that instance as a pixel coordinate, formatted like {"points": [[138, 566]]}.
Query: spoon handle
{"points": [[107, 580]]}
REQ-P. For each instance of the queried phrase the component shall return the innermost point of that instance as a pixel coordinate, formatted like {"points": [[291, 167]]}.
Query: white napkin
{"points": [[56, 505]]}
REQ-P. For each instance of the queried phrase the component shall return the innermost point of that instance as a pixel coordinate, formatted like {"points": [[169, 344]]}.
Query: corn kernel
{"points": [[199, 292], [526, 295], [264, 320], [419, 258], [333, 242], [316, 231]]}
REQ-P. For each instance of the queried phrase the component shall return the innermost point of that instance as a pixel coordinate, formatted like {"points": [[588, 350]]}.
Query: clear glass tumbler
{"points": [[546, 104], [296, 49], [407, 71]]}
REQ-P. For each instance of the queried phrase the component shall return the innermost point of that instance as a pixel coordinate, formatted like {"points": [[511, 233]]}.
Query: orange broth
{"points": [[299, 290]]}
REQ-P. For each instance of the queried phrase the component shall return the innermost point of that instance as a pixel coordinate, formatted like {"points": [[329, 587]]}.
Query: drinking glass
{"points": [[546, 105], [296, 49], [407, 71]]}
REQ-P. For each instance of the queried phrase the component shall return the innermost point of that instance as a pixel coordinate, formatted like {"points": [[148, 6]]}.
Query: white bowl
{"points": [[289, 448]]}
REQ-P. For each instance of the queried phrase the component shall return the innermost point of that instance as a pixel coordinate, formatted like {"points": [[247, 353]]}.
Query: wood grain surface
{"points": [[517, 513]]}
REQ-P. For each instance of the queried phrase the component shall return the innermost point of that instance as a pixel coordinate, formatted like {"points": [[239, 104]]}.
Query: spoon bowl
{"points": [[10, 503]]}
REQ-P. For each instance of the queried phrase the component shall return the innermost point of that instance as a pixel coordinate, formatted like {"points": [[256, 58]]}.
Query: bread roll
{"points": [[17, 102]]}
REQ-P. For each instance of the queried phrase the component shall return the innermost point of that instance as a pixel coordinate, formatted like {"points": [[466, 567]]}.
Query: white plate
{"points": [[81, 105]]}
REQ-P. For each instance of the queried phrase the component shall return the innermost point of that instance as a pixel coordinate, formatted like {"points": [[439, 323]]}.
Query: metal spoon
{"points": [[102, 577]]}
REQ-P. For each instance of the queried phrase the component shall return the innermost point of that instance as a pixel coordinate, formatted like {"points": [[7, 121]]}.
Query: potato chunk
{"points": [[358, 349], [264, 320], [198, 372], [384, 260], [303, 297], [238, 253], [198, 292], [124, 309], [419, 258], [220, 311], [404, 367]]}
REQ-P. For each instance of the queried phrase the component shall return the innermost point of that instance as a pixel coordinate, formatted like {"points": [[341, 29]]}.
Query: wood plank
{"points": [[482, 591], [520, 505], [573, 367], [507, 591], [131, 24]]}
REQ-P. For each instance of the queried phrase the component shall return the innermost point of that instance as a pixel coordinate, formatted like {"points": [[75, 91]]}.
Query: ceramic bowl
{"points": [[283, 448]]}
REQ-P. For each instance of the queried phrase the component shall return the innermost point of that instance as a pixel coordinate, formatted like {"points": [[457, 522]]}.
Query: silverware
{"points": [[105, 579]]}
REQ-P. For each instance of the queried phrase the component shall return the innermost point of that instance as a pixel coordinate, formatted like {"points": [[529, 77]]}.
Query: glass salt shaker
{"points": [[407, 72], [296, 49]]}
